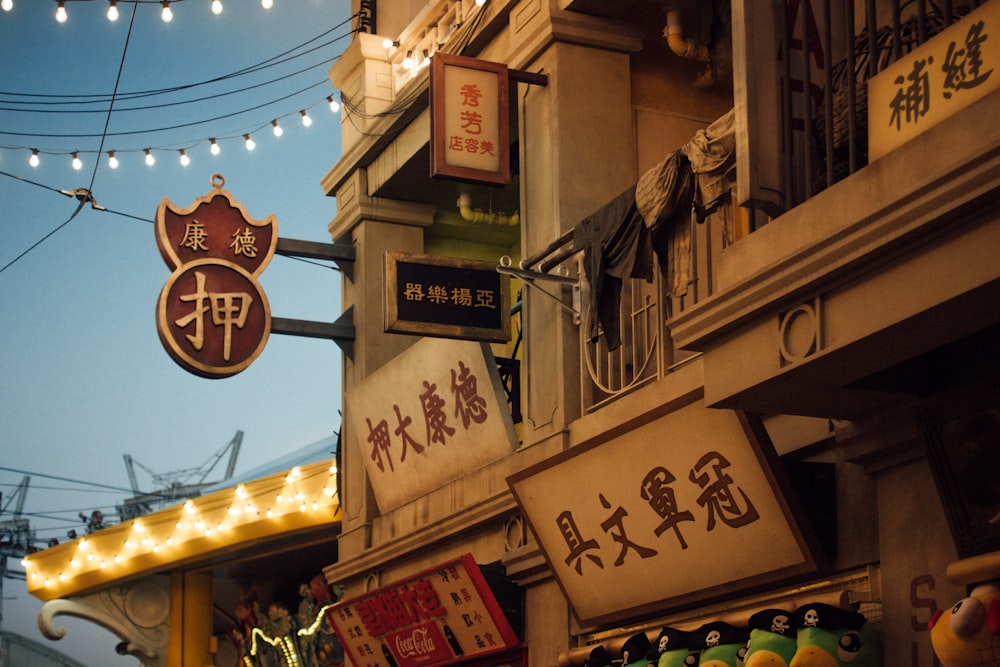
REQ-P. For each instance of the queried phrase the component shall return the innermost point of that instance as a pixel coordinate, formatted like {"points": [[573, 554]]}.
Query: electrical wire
{"points": [[93, 175], [96, 485], [204, 121], [305, 260], [111, 104], [251, 69], [42, 487], [152, 107], [126, 96]]}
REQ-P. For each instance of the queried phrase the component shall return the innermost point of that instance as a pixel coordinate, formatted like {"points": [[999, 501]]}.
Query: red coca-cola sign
{"points": [[419, 645], [439, 616]]}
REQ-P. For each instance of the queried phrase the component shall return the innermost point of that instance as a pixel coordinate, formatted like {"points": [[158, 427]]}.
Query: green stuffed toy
{"points": [[671, 650], [720, 644], [829, 636], [772, 639]]}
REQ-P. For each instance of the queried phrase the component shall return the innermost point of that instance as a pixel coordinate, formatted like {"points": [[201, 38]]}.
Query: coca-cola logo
{"points": [[417, 643]]}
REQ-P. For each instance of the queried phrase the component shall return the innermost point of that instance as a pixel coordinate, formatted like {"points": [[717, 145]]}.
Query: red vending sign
{"points": [[437, 617]]}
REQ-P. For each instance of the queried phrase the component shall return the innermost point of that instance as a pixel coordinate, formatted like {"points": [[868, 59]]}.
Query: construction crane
{"points": [[176, 485], [17, 539]]}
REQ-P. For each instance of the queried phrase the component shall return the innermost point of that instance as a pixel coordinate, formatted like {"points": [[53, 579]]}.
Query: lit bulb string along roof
{"points": [[304, 497], [27, 104], [411, 66], [166, 11], [14, 104]]}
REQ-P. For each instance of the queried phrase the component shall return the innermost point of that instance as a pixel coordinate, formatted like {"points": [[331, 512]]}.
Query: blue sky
{"points": [[85, 379]]}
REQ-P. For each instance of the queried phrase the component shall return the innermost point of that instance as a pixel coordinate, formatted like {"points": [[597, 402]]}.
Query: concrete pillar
{"points": [[190, 620], [577, 153], [373, 226]]}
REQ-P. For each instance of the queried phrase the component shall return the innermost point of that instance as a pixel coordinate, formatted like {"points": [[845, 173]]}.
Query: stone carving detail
{"points": [[137, 613], [799, 331]]}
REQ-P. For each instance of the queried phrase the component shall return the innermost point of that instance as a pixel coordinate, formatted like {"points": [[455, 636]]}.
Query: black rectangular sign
{"points": [[446, 297]]}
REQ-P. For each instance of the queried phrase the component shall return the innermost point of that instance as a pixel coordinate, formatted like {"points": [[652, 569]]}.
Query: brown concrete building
{"points": [[841, 296], [752, 361]]}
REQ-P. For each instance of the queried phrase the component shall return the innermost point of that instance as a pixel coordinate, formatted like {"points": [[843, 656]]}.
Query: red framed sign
{"points": [[470, 133], [212, 316], [439, 616]]}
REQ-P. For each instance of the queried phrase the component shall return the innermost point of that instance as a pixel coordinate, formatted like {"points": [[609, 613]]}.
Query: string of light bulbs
{"points": [[183, 152], [166, 12]]}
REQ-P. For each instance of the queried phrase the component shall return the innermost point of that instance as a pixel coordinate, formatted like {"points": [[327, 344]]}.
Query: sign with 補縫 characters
{"points": [[212, 316], [436, 412], [440, 616], [446, 297], [684, 507], [947, 73], [469, 119]]}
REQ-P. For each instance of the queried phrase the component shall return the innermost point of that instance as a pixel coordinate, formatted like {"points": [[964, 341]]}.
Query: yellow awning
{"points": [[190, 533]]}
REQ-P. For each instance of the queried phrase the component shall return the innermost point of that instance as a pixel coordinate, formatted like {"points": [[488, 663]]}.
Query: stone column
{"points": [[190, 619], [577, 153]]}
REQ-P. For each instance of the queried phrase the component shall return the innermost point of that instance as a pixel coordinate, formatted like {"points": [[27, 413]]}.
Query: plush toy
{"points": [[831, 636], [720, 644], [671, 649], [634, 650], [772, 639], [599, 657], [969, 633]]}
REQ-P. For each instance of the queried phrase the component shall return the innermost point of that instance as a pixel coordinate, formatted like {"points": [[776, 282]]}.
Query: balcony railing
{"points": [[646, 352], [824, 139], [826, 54]]}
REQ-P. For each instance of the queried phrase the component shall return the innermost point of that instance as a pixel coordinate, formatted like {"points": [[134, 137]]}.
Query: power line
{"points": [[98, 98], [165, 105], [68, 479], [35, 487], [44, 135], [113, 212], [111, 104]]}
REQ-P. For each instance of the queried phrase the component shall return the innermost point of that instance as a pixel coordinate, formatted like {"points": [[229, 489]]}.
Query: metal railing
{"points": [[826, 55], [647, 351]]}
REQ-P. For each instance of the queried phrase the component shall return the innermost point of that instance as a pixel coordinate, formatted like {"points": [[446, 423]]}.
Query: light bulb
{"points": [[388, 43], [61, 12], [408, 60], [113, 10], [214, 147], [185, 160], [33, 160], [112, 160], [277, 128], [426, 60], [150, 160], [266, 4], [166, 14], [249, 142], [334, 105], [77, 162], [306, 120], [7, 5], [216, 6]]}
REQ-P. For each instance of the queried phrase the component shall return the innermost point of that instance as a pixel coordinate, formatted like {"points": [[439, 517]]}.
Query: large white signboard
{"points": [[437, 412], [684, 507]]}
